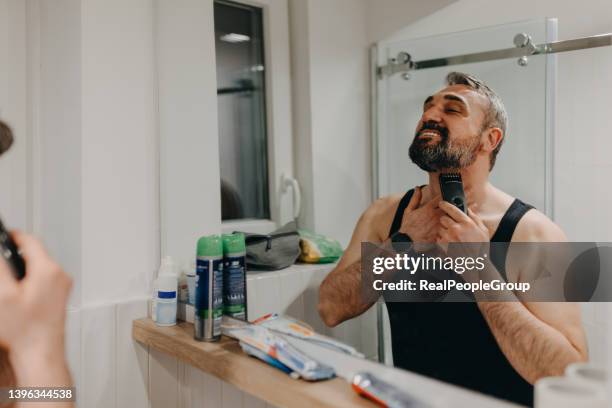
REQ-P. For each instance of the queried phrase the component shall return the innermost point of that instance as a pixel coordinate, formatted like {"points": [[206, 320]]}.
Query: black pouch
{"points": [[277, 250]]}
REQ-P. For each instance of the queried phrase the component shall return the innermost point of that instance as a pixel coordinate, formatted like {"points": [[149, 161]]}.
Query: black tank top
{"points": [[452, 342]]}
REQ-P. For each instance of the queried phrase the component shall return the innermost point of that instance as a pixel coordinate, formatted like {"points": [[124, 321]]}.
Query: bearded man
{"points": [[498, 348]]}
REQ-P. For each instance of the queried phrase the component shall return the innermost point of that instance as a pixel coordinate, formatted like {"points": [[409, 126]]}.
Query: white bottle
{"points": [[191, 282], [165, 299]]}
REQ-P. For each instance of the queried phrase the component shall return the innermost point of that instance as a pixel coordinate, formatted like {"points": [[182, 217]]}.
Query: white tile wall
{"points": [[252, 402], [132, 357], [264, 293], [291, 289], [192, 388], [201, 390], [163, 380], [73, 346], [213, 392], [231, 397], [312, 281], [98, 357]]}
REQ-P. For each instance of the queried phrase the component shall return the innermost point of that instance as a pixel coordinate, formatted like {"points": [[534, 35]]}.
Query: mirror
{"points": [[530, 165]]}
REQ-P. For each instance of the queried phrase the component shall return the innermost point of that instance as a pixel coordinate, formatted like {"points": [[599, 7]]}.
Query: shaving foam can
{"points": [[209, 289], [234, 276]]}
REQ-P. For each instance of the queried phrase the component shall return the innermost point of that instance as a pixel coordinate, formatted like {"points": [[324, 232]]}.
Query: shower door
{"points": [[524, 163]]}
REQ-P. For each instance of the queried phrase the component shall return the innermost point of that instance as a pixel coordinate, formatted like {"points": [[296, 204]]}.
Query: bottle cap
{"points": [[233, 243], [210, 246]]}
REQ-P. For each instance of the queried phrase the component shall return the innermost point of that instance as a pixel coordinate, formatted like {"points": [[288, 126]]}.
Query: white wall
{"points": [[330, 42], [335, 107], [92, 122], [14, 173], [302, 109], [93, 75], [340, 115], [189, 141], [94, 156], [54, 82], [386, 17], [120, 222]]}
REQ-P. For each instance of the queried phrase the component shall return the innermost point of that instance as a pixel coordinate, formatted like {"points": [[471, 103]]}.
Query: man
{"points": [[32, 317], [499, 348]]}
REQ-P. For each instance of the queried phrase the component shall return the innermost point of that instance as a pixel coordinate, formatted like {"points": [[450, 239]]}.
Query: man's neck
{"points": [[475, 184]]}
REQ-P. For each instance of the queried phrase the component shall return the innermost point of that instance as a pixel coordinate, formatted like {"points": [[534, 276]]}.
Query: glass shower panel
{"points": [[523, 163]]}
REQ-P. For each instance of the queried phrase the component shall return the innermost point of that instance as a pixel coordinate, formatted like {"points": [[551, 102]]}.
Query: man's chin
{"points": [[429, 168], [436, 167]]}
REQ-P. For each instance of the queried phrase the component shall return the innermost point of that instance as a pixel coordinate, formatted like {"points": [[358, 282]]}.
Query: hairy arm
{"points": [[340, 296], [538, 338], [534, 347]]}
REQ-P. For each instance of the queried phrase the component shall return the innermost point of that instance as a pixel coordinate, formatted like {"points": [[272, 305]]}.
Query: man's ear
{"points": [[492, 138]]}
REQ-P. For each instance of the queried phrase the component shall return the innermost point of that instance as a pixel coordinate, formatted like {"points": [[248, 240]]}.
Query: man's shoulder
{"points": [[535, 226], [379, 215], [383, 207]]}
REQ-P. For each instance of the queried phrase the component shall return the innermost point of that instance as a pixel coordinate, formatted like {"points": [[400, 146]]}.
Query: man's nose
{"points": [[433, 114]]}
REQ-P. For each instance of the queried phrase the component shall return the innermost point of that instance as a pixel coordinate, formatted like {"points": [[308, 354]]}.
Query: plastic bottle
{"points": [[165, 294], [209, 289], [234, 276], [191, 282]]}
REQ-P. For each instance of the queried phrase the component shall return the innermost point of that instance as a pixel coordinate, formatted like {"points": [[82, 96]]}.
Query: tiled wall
{"points": [[112, 370]]}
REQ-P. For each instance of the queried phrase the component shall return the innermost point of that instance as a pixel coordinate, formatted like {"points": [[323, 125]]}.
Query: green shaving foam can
{"points": [[234, 276], [209, 289]]}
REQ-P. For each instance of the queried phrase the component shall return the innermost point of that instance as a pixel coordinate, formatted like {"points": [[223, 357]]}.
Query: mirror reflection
{"points": [[443, 138]]}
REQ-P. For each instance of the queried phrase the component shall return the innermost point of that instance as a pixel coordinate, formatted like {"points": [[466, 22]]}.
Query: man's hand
{"points": [[456, 226], [32, 315], [421, 223], [463, 235]]}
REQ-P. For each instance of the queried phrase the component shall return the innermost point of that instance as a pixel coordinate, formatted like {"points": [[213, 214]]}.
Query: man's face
{"points": [[449, 132]]}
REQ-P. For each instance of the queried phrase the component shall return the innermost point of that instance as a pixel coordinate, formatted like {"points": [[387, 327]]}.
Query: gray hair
{"points": [[495, 115]]}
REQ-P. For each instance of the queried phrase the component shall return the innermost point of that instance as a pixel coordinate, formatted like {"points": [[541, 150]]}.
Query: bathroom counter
{"points": [[226, 361]]}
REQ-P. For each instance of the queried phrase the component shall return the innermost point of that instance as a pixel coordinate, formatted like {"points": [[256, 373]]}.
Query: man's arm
{"points": [[534, 347], [340, 296], [538, 338]]}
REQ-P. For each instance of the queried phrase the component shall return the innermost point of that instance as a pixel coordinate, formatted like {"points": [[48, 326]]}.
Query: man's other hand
{"points": [[422, 223]]}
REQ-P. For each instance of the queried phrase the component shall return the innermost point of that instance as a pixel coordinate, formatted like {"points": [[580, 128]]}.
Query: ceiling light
{"points": [[235, 38]]}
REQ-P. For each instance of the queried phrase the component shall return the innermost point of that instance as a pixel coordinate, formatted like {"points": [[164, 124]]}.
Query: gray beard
{"points": [[442, 156]]}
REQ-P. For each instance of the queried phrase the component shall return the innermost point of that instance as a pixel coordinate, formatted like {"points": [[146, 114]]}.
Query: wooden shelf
{"points": [[226, 361]]}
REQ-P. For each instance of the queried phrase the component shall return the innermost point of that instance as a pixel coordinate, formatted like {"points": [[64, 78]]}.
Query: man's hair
{"points": [[6, 137], [495, 115]]}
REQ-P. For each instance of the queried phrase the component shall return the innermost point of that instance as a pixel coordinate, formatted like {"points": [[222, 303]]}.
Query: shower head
{"points": [[6, 137]]}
